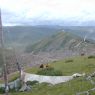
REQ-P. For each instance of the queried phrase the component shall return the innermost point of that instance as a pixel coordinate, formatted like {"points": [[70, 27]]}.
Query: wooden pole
{"points": [[3, 56], [17, 63]]}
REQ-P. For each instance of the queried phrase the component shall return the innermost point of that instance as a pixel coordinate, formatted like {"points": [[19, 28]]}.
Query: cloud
{"points": [[24, 11]]}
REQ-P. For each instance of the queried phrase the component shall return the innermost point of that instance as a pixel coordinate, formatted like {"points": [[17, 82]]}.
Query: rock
{"points": [[25, 88], [78, 75], [92, 82], [93, 89], [93, 74], [84, 92], [90, 79]]}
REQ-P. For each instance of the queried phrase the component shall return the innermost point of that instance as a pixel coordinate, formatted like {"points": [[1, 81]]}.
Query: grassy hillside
{"points": [[71, 65], [77, 65], [59, 41]]}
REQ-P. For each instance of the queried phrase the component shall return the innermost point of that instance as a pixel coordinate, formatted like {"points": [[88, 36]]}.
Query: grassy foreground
{"points": [[68, 88], [68, 67]]}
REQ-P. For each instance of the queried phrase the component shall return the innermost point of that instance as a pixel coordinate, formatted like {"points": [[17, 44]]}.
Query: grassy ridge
{"points": [[78, 65]]}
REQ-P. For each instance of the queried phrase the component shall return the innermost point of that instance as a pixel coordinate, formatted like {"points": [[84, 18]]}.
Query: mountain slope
{"points": [[59, 41]]}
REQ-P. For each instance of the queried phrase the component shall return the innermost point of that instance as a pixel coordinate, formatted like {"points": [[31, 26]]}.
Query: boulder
{"points": [[25, 88]]}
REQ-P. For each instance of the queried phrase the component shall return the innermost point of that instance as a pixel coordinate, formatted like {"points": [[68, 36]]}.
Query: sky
{"points": [[19, 12]]}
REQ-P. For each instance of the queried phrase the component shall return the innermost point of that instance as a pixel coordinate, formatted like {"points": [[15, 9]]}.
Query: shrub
{"points": [[67, 61], [54, 61], [31, 82], [49, 72], [91, 56], [2, 90], [12, 90]]}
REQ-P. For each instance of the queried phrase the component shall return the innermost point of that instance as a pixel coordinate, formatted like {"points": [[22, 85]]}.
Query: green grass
{"points": [[78, 65], [49, 72], [32, 70], [68, 88], [11, 77]]}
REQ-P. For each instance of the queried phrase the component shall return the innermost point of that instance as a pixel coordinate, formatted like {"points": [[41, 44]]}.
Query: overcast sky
{"points": [[16, 12]]}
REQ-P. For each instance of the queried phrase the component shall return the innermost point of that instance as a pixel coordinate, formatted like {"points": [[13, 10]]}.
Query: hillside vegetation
{"points": [[59, 41], [70, 66]]}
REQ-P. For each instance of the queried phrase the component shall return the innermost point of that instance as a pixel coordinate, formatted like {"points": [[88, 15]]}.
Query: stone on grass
{"points": [[25, 88]]}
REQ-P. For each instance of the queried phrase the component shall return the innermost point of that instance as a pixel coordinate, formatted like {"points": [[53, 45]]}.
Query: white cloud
{"points": [[50, 9]]}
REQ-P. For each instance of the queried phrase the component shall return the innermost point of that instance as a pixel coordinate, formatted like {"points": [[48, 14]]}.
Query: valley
{"points": [[47, 47], [42, 44], [67, 51]]}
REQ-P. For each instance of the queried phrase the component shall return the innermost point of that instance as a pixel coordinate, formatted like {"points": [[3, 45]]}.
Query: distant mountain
{"points": [[24, 35], [63, 22], [59, 41]]}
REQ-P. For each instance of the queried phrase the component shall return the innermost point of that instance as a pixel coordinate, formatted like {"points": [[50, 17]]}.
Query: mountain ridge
{"points": [[58, 41]]}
